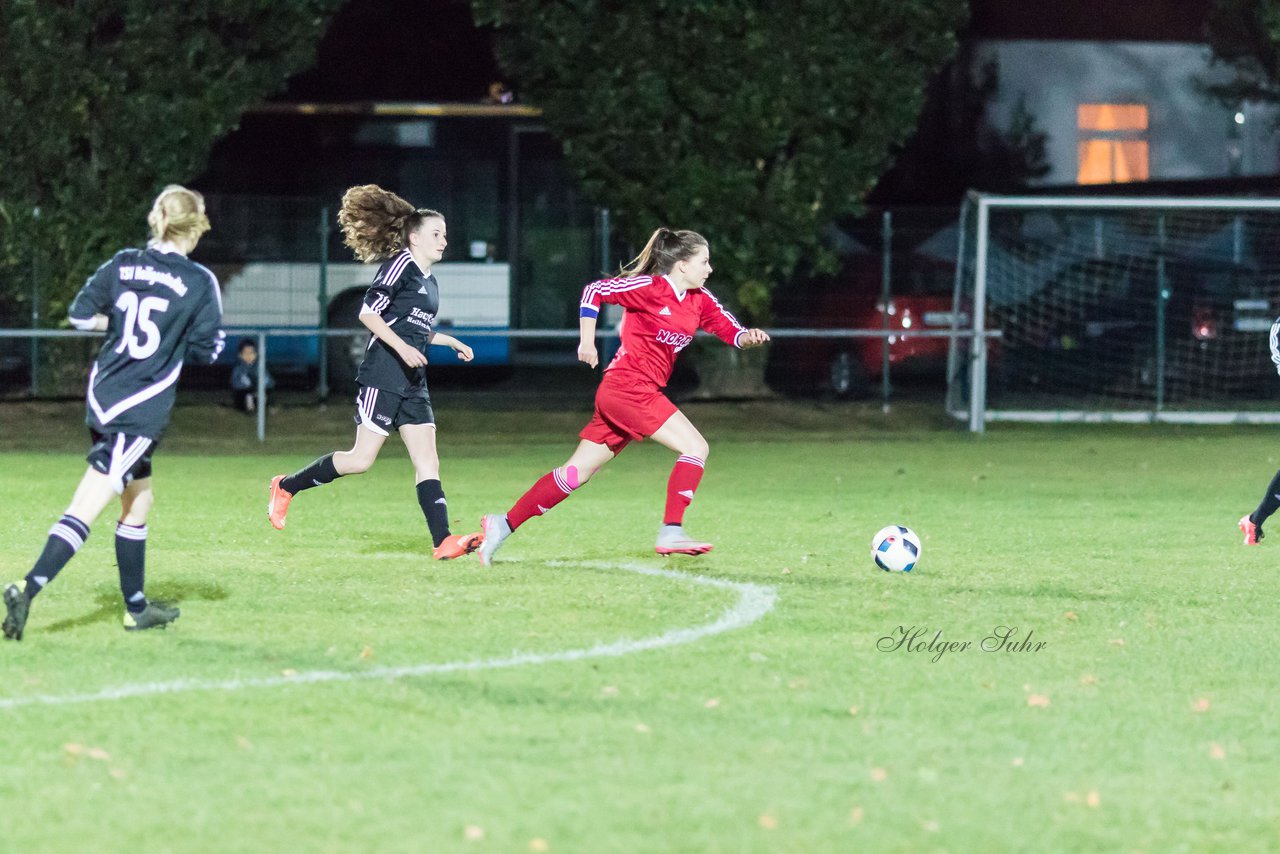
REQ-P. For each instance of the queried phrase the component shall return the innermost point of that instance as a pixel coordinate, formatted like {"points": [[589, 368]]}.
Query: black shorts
{"points": [[381, 411], [121, 457]]}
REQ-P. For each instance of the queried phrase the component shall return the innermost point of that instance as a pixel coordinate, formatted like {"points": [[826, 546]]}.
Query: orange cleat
{"points": [[278, 503], [1252, 533], [457, 545]]}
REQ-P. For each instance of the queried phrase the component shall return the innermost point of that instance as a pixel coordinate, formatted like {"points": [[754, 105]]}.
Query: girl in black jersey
{"points": [[159, 310], [400, 310]]}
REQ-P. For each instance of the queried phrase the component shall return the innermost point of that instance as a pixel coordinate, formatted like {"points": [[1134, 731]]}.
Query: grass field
{"points": [[272, 717]]}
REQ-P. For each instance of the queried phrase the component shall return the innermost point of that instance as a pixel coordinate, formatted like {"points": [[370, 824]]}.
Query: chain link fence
{"points": [[292, 288]]}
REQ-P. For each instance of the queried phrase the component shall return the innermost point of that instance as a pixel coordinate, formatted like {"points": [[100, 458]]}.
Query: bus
{"points": [[523, 238]]}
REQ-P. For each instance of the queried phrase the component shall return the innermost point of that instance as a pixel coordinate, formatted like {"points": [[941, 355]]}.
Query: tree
{"points": [[756, 123], [105, 101], [1245, 34], [956, 148]]}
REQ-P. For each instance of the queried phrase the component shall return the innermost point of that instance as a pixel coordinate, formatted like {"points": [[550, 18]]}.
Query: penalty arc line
{"points": [[754, 601]]}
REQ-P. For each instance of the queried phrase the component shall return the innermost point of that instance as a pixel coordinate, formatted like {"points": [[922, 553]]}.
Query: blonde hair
{"points": [[376, 223], [663, 251], [178, 214]]}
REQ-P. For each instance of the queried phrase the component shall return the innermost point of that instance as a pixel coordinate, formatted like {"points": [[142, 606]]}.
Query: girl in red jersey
{"points": [[665, 302]]}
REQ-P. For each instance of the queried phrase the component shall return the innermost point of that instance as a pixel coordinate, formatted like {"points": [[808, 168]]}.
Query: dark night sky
{"points": [[431, 50], [399, 50], [1091, 20]]}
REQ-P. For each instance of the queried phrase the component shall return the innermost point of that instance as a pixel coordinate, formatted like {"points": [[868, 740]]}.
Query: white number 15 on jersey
{"points": [[137, 320]]}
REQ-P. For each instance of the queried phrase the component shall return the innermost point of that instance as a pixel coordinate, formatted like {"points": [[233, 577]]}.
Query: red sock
{"points": [[683, 482], [552, 488]]}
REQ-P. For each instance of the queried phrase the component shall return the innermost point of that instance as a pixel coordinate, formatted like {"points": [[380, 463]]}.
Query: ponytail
{"points": [[663, 251], [376, 223]]}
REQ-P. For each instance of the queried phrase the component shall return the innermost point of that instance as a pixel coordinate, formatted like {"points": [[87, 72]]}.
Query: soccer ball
{"points": [[895, 548]]}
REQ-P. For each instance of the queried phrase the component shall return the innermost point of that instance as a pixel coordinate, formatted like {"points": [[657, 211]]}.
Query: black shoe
{"points": [[154, 616], [17, 603]]}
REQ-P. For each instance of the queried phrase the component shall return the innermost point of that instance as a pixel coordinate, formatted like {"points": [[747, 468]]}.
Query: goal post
{"points": [[1116, 310]]}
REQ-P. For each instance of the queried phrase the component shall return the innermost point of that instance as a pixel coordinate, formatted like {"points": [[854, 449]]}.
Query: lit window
{"points": [[1113, 143]]}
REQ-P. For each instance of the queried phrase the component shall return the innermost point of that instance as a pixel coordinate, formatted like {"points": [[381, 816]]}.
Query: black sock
{"points": [[131, 558], [431, 500], [1270, 502], [317, 474], [65, 539]]}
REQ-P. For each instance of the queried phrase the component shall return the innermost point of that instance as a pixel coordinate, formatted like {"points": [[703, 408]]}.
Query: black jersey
{"points": [[407, 299], [162, 309]]}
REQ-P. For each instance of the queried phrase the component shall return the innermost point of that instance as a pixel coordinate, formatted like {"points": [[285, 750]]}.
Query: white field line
{"points": [[754, 601]]}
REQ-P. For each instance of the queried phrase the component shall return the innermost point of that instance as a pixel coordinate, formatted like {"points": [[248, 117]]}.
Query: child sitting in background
{"points": [[244, 377]]}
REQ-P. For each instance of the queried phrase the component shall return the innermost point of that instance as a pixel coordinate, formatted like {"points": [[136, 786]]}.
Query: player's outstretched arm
{"points": [[464, 352], [753, 338]]}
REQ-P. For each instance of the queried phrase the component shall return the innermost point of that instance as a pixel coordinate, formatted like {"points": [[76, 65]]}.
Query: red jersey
{"points": [[658, 322]]}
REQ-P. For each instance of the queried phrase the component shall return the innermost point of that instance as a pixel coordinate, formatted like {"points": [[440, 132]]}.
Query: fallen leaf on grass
{"points": [[288, 672], [879, 775], [116, 773], [474, 832], [1201, 705], [1216, 751], [768, 822], [1092, 799], [1038, 701], [1116, 641], [643, 728], [609, 691], [853, 710], [366, 653], [73, 749], [244, 743], [711, 704], [98, 753], [1071, 615], [539, 845], [1088, 679]]}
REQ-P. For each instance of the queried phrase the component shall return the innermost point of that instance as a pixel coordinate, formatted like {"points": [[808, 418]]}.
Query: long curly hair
{"points": [[664, 249], [376, 223], [177, 214]]}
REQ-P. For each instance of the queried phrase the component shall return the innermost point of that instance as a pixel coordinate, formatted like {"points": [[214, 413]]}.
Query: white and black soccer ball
{"points": [[896, 548]]}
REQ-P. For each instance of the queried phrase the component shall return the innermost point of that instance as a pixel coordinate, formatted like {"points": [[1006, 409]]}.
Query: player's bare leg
{"points": [[324, 470], [92, 495], [679, 434], [131, 545], [550, 490], [420, 439]]}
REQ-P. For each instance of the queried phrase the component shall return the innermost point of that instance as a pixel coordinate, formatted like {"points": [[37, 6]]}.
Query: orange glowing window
{"points": [[1112, 117], [1113, 143]]}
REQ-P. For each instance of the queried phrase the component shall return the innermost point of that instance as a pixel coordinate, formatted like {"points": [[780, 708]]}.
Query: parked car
{"points": [[1093, 328], [848, 367]]}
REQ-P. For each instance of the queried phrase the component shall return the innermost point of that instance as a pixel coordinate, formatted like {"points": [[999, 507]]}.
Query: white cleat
{"points": [[496, 530], [672, 540]]}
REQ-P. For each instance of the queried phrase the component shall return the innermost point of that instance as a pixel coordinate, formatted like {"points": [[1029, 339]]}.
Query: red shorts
{"points": [[629, 408]]}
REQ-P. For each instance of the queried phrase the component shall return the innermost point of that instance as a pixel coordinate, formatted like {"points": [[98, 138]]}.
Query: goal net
{"points": [[1117, 309]]}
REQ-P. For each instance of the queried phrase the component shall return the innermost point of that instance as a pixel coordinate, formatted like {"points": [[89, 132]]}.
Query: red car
{"points": [[847, 367]]}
